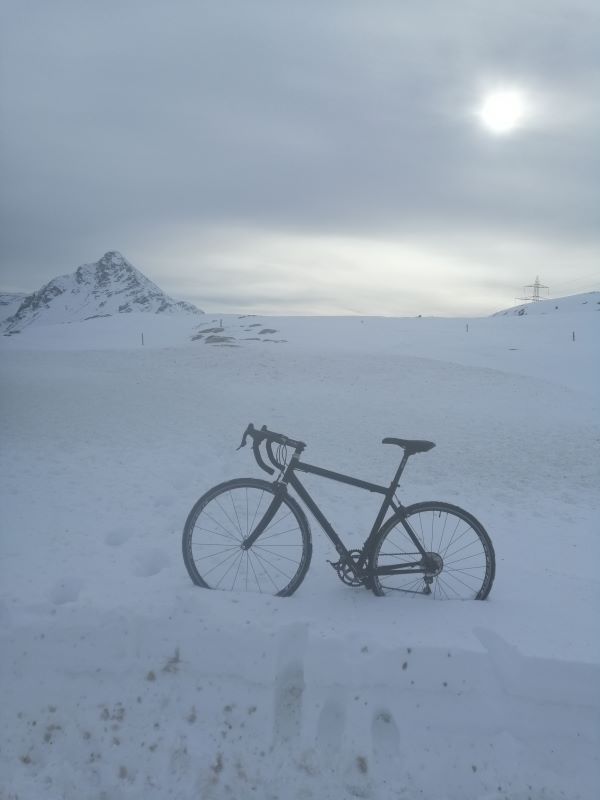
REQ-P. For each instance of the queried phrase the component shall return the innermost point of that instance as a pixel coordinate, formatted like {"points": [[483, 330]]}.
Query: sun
{"points": [[503, 111]]}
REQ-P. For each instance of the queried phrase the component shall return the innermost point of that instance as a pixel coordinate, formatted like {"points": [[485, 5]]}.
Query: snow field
{"points": [[125, 681]]}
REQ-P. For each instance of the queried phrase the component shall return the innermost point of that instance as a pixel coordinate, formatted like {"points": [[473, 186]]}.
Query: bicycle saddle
{"points": [[411, 446]]}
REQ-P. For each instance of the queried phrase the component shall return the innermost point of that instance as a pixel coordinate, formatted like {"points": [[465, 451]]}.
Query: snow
{"points": [[123, 680], [584, 302]]}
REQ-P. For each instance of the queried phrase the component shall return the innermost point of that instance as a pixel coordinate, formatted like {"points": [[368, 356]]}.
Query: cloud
{"points": [[322, 121], [457, 273]]}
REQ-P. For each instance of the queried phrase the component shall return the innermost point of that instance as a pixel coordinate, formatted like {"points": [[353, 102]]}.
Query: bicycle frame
{"points": [[289, 478]]}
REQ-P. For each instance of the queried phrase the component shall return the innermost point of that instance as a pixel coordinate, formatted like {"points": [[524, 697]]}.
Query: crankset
{"points": [[344, 571]]}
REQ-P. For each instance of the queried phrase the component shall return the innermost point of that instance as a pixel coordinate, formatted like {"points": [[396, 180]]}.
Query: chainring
{"points": [[344, 572]]}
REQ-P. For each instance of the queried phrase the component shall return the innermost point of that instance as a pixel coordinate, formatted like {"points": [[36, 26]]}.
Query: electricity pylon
{"points": [[535, 288]]}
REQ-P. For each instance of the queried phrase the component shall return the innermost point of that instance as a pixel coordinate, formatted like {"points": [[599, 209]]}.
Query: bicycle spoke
{"points": [[455, 578], [262, 558], [438, 587], [464, 547], [273, 535], [228, 517], [236, 515], [231, 522], [262, 494], [216, 566], [220, 524], [277, 555], [452, 538], [443, 532], [216, 533], [266, 571], [448, 564], [243, 552], [254, 571], [444, 583], [218, 553], [228, 570]]}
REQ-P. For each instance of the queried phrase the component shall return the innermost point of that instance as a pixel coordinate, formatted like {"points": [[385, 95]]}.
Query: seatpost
{"points": [[396, 481]]}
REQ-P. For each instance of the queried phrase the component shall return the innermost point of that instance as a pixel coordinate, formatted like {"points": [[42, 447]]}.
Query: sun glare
{"points": [[503, 111]]}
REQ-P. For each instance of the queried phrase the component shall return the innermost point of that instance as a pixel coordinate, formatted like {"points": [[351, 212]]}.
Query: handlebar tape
{"points": [[258, 457]]}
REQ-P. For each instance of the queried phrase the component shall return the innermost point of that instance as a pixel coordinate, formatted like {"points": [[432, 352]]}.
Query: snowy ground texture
{"points": [[123, 680]]}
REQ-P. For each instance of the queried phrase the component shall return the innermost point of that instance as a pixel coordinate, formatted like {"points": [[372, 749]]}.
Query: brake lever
{"points": [[248, 430]]}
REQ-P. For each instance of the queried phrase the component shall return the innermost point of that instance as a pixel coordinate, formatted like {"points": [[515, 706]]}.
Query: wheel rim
{"points": [[453, 545], [219, 530]]}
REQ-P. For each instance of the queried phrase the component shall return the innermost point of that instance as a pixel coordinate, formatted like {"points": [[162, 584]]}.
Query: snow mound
{"points": [[107, 287], [235, 333], [588, 301]]}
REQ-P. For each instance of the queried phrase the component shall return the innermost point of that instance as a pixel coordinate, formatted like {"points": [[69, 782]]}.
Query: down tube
{"points": [[318, 515]]}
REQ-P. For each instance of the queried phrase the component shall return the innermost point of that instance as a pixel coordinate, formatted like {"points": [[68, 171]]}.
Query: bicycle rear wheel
{"points": [[217, 526], [461, 555]]}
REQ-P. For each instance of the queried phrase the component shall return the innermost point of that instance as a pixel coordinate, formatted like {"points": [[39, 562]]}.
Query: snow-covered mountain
{"points": [[588, 301], [9, 303], [107, 287]]}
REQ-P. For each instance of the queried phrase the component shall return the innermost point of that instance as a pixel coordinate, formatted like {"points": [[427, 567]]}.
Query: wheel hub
{"points": [[434, 564]]}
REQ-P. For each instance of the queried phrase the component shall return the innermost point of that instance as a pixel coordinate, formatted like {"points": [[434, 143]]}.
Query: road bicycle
{"points": [[250, 535]]}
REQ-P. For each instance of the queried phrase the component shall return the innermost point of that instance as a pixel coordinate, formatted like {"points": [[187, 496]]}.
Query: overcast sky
{"points": [[309, 156]]}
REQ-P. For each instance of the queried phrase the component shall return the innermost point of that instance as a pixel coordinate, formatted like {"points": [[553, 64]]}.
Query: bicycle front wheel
{"points": [[224, 517], [460, 555]]}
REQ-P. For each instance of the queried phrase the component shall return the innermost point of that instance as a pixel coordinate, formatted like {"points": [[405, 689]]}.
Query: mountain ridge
{"points": [[109, 286]]}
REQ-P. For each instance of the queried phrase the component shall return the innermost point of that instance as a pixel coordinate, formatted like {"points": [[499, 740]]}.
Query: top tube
{"points": [[302, 466]]}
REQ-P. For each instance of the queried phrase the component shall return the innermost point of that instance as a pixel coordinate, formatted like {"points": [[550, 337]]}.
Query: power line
{"points": [[585, 279]]}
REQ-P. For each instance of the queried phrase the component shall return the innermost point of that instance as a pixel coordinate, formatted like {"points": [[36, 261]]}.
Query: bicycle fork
{"points": [[267, 518]]}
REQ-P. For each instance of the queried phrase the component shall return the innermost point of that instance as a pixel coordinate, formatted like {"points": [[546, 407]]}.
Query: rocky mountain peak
{"points": [[106, 287]]}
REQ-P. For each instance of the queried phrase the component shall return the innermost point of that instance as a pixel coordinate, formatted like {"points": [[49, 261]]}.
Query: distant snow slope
{"points": [[9, 303], [588, 301], [107, 287]]}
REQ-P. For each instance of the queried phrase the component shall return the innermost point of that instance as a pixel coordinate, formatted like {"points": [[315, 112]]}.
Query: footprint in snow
{"points": [[289, 684], [149, 563], [117, 537], [386, 737], [66, 591], [330, 726]]}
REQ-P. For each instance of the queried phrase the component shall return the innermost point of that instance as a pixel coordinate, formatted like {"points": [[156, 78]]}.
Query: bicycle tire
{"points": [[466, 559], [212, 551]]}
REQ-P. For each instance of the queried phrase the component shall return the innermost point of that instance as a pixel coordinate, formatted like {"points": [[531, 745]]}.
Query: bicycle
{"points": [[251, 535]]}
